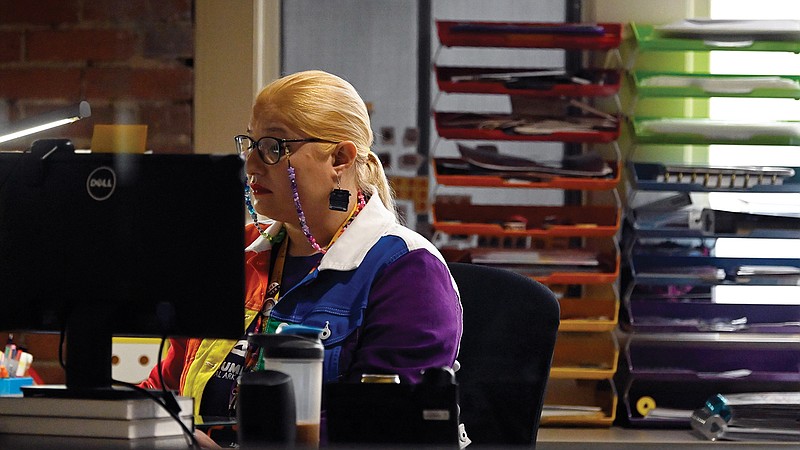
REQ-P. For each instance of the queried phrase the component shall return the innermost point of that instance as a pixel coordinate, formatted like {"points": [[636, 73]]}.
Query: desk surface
{"points": [[619, 438]]}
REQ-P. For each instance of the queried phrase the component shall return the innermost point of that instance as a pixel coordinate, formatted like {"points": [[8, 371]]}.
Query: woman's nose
{"points": [[252, 164]]}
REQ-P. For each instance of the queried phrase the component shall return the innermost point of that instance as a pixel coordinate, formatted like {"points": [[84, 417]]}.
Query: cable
{"points": [[171, 405], [189, 433]]}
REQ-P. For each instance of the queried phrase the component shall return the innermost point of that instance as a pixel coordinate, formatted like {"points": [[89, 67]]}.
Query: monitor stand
{"points": [[88, 355]]}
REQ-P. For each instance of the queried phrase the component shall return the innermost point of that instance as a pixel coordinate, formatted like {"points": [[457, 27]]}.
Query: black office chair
{"points": [[510, 326]]}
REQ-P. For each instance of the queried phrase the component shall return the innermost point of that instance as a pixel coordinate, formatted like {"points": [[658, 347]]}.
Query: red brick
{"points": [[167, 118], [38, 12], [169, 41], [40, 83], [172, 10], [79, 45], [151, 84], [115, 10], [10, 46], [138, 10]]}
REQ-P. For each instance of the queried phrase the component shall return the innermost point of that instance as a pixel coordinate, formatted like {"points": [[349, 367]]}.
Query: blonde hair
{"points": [[321, 105]]}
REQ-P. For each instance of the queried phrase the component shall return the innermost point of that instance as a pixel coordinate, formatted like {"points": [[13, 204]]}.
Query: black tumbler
{"points": [[266, 410]]}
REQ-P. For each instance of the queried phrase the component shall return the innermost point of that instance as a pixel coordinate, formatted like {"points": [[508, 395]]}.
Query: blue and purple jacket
{"points": [[382, 292]]}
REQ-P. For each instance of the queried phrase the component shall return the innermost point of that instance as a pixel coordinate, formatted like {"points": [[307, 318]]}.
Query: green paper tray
{"points": [[648, 38], [705, 85]]}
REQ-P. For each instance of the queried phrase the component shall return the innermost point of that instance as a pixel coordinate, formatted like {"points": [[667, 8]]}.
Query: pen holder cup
{"points": [[12, 386]]}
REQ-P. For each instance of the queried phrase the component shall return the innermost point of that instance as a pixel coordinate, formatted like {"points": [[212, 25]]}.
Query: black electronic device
{"points": [[425, 414], [102, 245]]}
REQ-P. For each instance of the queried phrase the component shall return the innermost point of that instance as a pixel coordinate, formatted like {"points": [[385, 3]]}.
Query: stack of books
{"points": [[108, 423]]}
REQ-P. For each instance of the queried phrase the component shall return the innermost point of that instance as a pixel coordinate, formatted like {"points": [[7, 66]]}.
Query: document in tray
{"points": [[589, 164], [574, 257], [572, 411], [523, 28], [721, 129], [711, 28], [722, 84]]}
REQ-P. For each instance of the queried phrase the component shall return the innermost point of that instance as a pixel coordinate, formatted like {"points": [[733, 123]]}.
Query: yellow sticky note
{"points": [[119, 138]]}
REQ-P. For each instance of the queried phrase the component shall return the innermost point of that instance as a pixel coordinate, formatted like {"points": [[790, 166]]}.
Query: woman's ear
{"points": [[344, 155]]}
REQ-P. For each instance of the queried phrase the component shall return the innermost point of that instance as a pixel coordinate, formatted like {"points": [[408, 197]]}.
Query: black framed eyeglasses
{"points": [[270, 149]]}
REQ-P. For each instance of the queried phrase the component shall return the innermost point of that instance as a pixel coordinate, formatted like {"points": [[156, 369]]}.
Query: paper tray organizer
{"points": [[648, 37], [447, 173], [693, 266], [571, 36], [679, 372], [607, 270], [659, 177], [585, 355], [467, 125], [574, 402], [601, 82], [710, 131], [595, 310], [681, 315], [698, 222], [539, 221], [704, 85]]}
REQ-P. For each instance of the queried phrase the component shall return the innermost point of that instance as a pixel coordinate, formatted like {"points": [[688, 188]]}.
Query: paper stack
{"points": [[137, 419]]}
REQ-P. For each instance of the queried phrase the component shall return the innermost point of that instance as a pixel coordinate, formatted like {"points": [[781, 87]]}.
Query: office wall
{"points": [[237, 52], [133, 61]]}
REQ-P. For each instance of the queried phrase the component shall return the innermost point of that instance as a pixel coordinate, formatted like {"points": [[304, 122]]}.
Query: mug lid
{"points": [[287, 346]]}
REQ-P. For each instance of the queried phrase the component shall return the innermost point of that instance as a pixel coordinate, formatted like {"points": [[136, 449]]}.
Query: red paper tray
{"points": [[603, 83], [542, 221], [610, 269], [464, 132], [528, 35], [488, 180]]}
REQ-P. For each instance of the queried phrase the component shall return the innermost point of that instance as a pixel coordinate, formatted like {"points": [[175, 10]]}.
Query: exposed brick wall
{"points": [[132, 60]]}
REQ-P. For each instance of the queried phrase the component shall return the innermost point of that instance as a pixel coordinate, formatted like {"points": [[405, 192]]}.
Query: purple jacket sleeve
{"points": [[412, 322]]}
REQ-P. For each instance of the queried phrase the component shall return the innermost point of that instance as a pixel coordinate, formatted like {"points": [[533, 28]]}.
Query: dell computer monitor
{"points": [[101, 245]]}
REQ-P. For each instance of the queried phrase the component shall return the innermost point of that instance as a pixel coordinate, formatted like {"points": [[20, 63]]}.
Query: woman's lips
{"points": [[257, 189]]}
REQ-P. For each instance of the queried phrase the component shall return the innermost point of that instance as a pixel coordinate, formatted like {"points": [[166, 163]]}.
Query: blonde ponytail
{"points": [[370, 174]]}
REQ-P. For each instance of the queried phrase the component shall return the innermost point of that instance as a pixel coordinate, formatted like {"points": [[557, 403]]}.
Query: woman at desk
{"points": [[333, 256]]}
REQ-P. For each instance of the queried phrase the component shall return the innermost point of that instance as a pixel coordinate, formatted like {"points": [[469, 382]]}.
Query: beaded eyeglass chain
{"points": [[274, 240], [301, 215], [278, 238]]}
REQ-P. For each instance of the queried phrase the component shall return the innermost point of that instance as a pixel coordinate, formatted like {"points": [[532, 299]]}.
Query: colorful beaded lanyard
{"points": [[273, 290]]}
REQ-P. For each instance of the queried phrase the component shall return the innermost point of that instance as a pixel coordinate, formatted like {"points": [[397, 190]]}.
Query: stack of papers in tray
{"points": [[570, 257], [722, 129], [723, 84]]}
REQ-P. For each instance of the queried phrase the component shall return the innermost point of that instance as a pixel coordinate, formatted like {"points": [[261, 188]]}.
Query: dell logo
{"points": [[101, 183], [104, 183]]}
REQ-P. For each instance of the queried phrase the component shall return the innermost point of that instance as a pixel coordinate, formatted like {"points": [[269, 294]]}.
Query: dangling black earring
{"points": [[339, 198]]}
